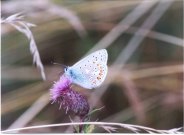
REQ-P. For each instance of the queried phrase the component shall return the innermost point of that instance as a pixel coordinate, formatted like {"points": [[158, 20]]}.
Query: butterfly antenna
{"points": [[64, 66]]}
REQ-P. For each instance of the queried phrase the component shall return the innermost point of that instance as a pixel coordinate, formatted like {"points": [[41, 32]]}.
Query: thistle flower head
{"points": [[69, 99]]}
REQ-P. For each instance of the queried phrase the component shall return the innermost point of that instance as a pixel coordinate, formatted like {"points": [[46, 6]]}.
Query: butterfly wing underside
{"points": [[92, 69]]}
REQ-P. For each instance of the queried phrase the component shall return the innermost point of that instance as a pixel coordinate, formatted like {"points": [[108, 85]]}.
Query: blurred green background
{"points": [[144, 85]]}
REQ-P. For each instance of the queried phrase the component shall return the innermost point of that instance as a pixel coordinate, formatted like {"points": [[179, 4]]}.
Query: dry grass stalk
{"points": [[17, 21], [110, 127]]}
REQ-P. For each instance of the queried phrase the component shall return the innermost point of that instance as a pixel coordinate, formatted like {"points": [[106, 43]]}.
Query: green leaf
{"points": [[89, 128], [95, 110]]}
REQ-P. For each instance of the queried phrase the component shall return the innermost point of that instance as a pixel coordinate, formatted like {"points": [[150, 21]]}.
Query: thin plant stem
{"points": [[131, 127]]}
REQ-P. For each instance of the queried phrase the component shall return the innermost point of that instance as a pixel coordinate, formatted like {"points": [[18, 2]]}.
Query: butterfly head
{"points": [[66, 69], [69, 72]]}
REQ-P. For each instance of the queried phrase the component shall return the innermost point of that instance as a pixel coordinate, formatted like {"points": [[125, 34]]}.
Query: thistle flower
{"points": [[69, 99]]}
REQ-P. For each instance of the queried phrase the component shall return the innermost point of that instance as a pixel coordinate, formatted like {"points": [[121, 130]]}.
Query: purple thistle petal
{"points": [[69, 99], [61, 85]]}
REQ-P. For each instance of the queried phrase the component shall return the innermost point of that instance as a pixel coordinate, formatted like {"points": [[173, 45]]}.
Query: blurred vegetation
{"points": [[148, 90]]}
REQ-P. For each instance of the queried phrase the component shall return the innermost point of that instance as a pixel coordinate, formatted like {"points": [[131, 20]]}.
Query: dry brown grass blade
{"points": [[126, 114], [11, 103], [132, 94], [69, 15], [120, 28], [31, 112], [156, 71], [136, 39], [104, 26]]}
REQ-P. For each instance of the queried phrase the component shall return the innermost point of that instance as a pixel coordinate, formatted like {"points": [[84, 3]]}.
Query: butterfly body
{"points": [[89, 72]]}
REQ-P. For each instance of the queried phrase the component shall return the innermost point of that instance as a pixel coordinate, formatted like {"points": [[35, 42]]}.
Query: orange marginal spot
{"points": [[100, 74], [98, 78]]}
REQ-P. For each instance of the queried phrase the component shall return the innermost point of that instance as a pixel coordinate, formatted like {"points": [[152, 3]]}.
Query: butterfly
{"points": [[89, 72]]}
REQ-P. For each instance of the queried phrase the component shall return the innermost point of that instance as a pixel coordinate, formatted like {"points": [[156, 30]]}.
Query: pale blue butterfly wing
{"points": [[91, 71]]}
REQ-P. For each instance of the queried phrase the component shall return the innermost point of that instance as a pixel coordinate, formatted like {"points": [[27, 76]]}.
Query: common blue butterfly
{"points": [[90, 71]]}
